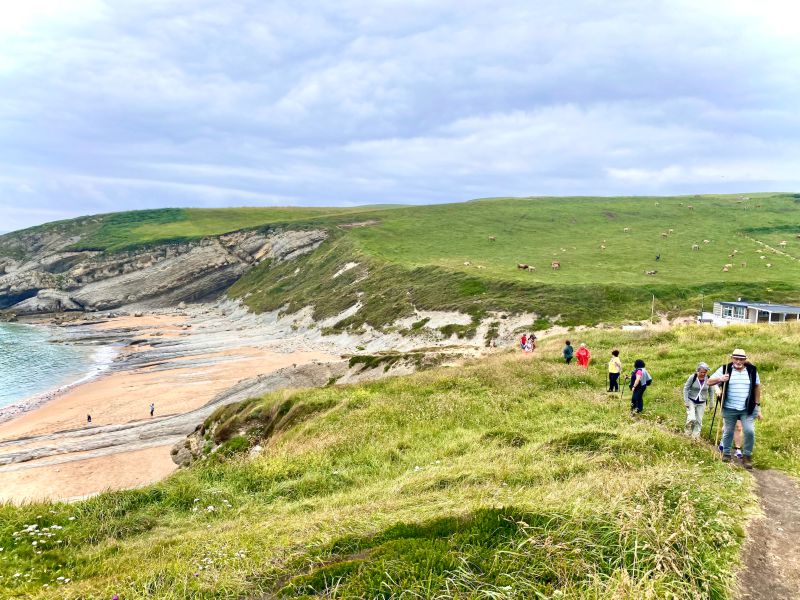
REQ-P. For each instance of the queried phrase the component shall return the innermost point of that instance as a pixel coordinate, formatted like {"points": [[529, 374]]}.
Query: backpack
{"points": [[646, 380]]}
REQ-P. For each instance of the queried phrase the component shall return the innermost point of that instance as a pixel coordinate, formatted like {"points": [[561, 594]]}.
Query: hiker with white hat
{"points": [[741, 401], [696, 394]]}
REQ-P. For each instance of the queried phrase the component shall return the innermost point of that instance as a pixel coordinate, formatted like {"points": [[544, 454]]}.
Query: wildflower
{"points": [[115, 597]]}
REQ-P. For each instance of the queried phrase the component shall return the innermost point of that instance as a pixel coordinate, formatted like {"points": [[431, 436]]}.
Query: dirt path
{"points": [[772, 550]]}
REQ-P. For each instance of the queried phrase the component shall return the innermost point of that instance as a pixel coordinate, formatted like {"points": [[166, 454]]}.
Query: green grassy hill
{"points": [[441, 256], [512, 477]]}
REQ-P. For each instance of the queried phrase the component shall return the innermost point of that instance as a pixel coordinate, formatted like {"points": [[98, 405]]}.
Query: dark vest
{"points": [[751, 396]]}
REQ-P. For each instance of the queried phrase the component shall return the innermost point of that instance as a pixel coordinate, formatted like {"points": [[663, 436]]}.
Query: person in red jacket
{"points": [[583, 356]]}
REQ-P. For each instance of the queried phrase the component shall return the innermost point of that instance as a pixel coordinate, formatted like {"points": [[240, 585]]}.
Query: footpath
{"points": [[771, 550]]}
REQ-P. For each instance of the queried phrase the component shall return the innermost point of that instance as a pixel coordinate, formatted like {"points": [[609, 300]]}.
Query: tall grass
{"points": [[511, 477]]}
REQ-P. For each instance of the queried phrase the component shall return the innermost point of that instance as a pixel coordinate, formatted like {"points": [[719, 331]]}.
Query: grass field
{"points": [[441, 256], [511, 477]]}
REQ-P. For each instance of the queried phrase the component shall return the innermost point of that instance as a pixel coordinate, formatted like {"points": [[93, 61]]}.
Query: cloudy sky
{"points": [[114, 105]]}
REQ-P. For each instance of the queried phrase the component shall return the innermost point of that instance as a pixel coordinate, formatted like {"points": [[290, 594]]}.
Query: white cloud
{"points": [[126, 105]]}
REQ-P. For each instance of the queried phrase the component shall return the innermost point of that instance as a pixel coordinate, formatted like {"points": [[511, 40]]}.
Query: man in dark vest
{"points": [[741, 401]]}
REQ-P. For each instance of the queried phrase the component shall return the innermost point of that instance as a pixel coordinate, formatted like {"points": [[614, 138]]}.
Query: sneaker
{"points": [[747, 463], [739, 453], [720, 447], [726, 458]]}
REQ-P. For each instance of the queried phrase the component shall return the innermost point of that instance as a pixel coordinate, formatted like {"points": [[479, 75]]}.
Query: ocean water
{"points": [[35, 359]]}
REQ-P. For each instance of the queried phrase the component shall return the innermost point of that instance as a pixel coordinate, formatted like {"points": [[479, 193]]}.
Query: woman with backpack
{"points": [[640, 379], [696, 394]]}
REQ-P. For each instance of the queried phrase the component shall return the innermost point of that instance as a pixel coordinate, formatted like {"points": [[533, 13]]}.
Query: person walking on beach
{"points": [[640, 379], [696, 395], [741, 401], [568, 352], [614, 369], [584, 356], [152, 409], [89, 419]]}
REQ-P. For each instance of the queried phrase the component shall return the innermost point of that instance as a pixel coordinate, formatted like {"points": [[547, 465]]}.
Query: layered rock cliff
{"points": [[38, 272]]}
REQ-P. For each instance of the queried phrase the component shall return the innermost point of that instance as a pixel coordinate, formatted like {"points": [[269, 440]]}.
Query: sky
{"points": [[120, 105]]}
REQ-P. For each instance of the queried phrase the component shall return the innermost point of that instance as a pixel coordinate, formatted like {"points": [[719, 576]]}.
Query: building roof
{"points": [[767, 307]]}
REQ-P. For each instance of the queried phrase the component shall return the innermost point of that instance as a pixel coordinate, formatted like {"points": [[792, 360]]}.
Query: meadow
{"points": [[512, 476], [464, 256]]}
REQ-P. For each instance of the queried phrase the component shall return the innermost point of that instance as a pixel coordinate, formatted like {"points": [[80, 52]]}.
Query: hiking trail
{"points": [[771, 552]]}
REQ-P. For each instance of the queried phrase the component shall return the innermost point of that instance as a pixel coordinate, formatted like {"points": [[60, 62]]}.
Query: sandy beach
{"points": [[52, 451]]}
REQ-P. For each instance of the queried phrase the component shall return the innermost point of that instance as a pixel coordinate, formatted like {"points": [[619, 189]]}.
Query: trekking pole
{"points": [[716, 405], [713, 416]]}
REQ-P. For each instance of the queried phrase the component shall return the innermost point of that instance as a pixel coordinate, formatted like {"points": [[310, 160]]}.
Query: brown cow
{"points": [[523, 266], [555, 265]]}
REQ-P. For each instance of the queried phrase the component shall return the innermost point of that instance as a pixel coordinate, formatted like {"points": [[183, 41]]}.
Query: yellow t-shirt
{"points": [[614, 365]]}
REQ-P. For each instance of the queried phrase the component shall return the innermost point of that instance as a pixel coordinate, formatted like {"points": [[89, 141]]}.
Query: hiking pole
{"points": [[718, 403], [713, 416]]}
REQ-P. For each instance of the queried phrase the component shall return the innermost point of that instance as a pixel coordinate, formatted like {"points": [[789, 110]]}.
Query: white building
{"points": [[729, 313]]}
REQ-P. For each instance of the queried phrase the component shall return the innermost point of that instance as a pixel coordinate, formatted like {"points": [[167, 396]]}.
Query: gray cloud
{"points": [[115, 105]]}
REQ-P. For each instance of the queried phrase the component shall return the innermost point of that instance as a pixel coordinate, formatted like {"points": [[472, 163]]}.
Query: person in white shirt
{"points": [[741, 401]]}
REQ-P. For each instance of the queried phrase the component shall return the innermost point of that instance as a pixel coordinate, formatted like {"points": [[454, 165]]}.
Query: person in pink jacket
{"points": [[583, 356]]}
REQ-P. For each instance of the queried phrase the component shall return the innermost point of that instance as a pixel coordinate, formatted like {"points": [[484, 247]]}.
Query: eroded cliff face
{"points": [[42, 276]]}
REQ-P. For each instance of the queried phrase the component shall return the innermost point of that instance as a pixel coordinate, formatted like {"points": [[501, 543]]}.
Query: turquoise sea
{"points": [[35, 359]]}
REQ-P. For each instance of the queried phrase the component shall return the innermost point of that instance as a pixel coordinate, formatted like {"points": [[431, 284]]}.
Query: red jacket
{"points": [[583, 355]]}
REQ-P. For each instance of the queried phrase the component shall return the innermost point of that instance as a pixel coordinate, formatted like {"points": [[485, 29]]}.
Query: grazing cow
{"points": [[522, 266], [768, 265], [729, 265], [671, 231], [555, 265], [782, 244], [724, 269], [602, 246], [706, 241], [467, 263], [563, 249], [492, 238], [651, 272], [657, 204], [483, 267], [798, 236], [690, 207], [762, 257], [735, 252], [664, 234], [695, 246], [626, 229]]}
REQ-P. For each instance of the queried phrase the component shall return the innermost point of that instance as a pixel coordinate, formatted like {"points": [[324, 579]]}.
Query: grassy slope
{"points": [[416, 257], [514, 477], [125, 230]]}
